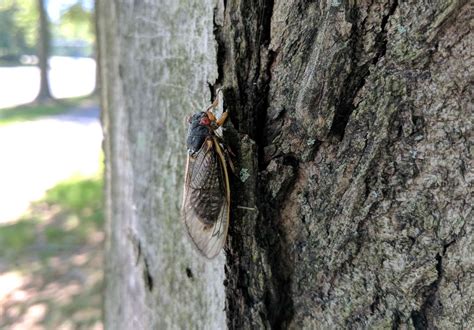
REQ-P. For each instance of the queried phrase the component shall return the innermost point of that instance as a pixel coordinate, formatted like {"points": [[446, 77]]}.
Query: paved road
{"points": [[36, 155]]}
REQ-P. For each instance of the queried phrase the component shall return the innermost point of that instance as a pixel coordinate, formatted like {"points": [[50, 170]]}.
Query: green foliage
{"points": [[76, 25], [26, 18], [74, 34], [18, 26], [77, 14], [10, 38]]}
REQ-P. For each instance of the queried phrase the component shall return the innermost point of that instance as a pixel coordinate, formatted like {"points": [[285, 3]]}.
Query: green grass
{"points": [[16, 237], [58, 244], [76, 194], [68, 214], [34, 111]]}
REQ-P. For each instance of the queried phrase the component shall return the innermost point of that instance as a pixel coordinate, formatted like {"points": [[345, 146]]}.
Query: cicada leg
{"points": [[211, 116], [229, 160], [216, 123], [209, 144], [228, 154], [221, 120], [215, 103]]}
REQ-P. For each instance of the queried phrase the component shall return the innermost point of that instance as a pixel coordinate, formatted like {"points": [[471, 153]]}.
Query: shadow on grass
{"points": [[34, 111], [51, 260]]}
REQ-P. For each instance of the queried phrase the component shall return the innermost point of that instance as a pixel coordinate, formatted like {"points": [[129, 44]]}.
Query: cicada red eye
{"points": [[205, 121]]}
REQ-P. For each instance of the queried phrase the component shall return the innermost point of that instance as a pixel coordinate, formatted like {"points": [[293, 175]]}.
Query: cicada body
{"points": [[206, 198]]}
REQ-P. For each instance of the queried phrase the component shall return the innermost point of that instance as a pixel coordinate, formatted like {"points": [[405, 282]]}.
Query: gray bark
{"points": [[157, 59], [352, 126]]}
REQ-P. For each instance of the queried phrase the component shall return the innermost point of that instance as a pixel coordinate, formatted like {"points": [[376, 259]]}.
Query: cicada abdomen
{"points": [[206, 198]]}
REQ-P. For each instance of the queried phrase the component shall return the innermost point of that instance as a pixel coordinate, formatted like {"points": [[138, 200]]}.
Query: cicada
{"points": [[206, 197]]}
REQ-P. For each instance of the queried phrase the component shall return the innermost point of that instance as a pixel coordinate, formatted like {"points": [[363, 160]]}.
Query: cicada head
{"points": [[199, 129]]}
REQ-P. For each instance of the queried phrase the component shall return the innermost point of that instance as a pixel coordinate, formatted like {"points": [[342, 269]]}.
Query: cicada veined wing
{"points": [[206, 200]]}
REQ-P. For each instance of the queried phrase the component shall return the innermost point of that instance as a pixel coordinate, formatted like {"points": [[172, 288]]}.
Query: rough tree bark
{"points": [[43, 52], [360, 117], [352, 126]]}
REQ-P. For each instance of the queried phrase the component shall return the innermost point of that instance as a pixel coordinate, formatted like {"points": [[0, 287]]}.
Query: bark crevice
{"points": [[220, 45], [147, 275], [381, 38], [278, 296], [278, 300], [356, 79], [422, 319]]}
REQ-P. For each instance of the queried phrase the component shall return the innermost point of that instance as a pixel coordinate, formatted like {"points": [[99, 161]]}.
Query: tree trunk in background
{"points": [[43, 52], [96, 47], [352, 128], [157, 59]]}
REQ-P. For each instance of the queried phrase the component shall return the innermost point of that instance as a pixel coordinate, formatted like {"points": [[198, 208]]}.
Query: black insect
{"points": [[206, 198]]}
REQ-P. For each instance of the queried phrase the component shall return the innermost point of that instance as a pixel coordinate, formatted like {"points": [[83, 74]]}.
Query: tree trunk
{"points": [[43, 52], [352, 127], [360, 117], [157, 59]]}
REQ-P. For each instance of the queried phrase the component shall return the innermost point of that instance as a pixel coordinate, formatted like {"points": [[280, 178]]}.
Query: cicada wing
{"points": [[207, 239], [206, 200]]}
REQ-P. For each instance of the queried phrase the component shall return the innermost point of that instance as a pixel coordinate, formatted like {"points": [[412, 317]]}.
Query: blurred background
{"points": [[50, 166]]}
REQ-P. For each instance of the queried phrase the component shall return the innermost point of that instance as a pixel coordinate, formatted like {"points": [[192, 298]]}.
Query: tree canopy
{"points": [[72, 33], [19, 24]]}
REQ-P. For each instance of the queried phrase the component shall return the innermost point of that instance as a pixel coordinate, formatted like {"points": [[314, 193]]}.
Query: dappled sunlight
{"points": [[9, 283], [51, 265], [32, 316]]}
